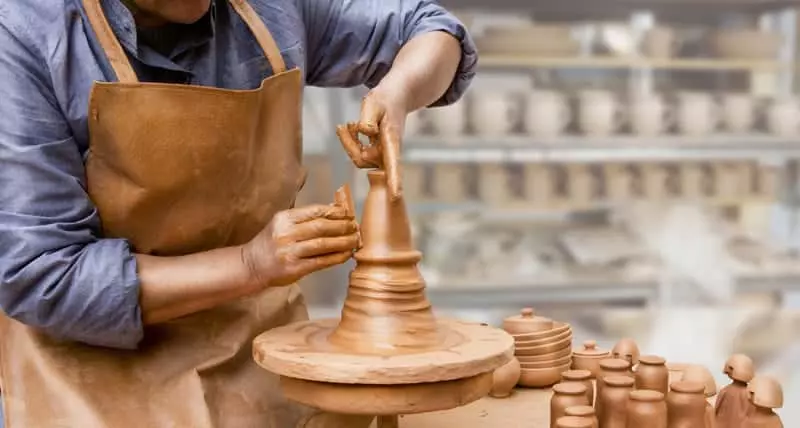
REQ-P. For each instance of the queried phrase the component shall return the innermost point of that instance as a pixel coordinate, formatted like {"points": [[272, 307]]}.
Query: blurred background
{"points": [[627, 166]]}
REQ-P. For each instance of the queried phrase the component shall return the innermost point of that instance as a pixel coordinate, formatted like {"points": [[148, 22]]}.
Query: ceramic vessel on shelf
{"points": [[586, 412], [448, 121], [652, 374], [600, 113], [746, 44], [660, 43], [566, 395], [493, 113], [738, 112], [547, 114], [527, 322], [646, 408], [698, 114], [505, 379], [686, 404], [612, 401], [783, 117], [533, 39], [584, 377], [589, 357], [650, 115]]}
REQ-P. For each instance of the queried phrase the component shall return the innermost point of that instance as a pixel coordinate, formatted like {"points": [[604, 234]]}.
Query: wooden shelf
{"points": [[699, 64]]}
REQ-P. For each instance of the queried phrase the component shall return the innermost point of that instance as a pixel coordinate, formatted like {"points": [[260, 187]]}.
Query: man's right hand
{"points": [[300, 241]]}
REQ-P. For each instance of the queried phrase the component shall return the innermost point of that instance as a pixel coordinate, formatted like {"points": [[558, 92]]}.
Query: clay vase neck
{"points": [[386, 310]]}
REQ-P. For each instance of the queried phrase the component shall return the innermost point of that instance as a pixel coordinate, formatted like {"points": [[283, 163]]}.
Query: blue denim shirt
{"points": [[57, 273]]}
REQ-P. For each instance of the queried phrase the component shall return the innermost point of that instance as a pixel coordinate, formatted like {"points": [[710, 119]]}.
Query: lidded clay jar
{"points": [[573, 422], [626, 349], [647, 409], [589, 357], [527, 322], [610, 367], [765, 392], [505, 378], [584, 412], [686, 405], [698, 373], [652, 374], [566, 394], [739, 367], [612, 401], [584, 377]]}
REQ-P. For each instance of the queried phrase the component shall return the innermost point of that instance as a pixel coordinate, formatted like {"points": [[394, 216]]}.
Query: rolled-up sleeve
{"points": [[353, 42], [56, 275]]}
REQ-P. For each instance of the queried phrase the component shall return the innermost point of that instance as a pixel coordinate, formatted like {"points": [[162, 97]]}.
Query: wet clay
{"points": [[589, 357], [573, 422], [652, 374], [583, 377], [647, 409], [586, 412], [608, 367], [566, 394], [686, 404], [612, 401]]}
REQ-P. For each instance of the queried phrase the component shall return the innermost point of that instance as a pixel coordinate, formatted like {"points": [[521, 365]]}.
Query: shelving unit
{"points": [[590, 62]]}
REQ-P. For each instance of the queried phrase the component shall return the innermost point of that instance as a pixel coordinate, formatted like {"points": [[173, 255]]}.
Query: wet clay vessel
{"points": [[541, 378], [505, 379], [583, 377], [566, 394], [574, 422], [527, 322], [686, 404], [612, 401], [609, 367], [766, 394], [698, 373], [652, 373], [586, 412], [588, 357], [388, 354], [733, 403], [647, 409], [626, 349]]}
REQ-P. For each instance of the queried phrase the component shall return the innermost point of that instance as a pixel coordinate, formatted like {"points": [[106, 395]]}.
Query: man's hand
{"points": [[383, 119], [300, 241]]}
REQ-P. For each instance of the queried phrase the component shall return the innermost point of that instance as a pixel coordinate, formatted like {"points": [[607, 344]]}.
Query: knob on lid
{"points": [[590, 349], [527, 322]]}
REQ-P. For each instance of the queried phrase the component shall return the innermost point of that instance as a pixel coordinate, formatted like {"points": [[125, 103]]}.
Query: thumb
{"points": [[372, 112]]}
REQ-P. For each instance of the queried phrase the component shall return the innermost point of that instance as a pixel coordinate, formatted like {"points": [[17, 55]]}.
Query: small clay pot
{"points": [[583, 412], [544, 357], [543, 349], [626, 349], [544, 341], [686, 404], [558, 328], [566, 395], [527, 322], [583, 377], [646, 408], [541, 378], [612, 401], [739, 367], [546, 364], [505, 379], [574, 422], [652, 374], [766, 392], [611, 367], [698, 373], [588, 358]]}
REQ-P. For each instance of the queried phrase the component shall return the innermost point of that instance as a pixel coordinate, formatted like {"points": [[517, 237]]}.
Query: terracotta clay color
{"points": [[566, 394], [609, 367], [547, 364], [522, 342], [527, 322], [686, 404], [559, 328], [540, 378], [646, 409], [583, 377], [612, 401], [574, 422], [652, 373], [765, 394], [584, 412], [505, 379], [698, 373], [589, 357], [566, 352], [733, 404], [626, 349]]}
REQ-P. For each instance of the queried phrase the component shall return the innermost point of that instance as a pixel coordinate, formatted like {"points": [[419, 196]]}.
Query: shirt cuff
{"points": [[469, 54]]}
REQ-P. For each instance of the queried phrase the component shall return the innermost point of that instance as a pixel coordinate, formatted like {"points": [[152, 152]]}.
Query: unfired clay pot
{"points": [[766, 394], [626, 349], [647, 409], [733, 403], [544, 349], [505, 379], [522, 340], [611, 367], [574, 422], [547, 364], [589, 357], [583, 377], [540, 378], [652, 374], [566, 352], [698, 373], [612, 401], [583, 412], [558, 329], [565, 395], [527, 322], [686, 404]]}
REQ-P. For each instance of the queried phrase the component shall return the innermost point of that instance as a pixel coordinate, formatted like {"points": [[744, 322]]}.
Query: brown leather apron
{"points": [[175, 169]]}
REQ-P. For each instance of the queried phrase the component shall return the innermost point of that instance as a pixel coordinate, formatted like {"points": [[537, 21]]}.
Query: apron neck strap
{"points": [[122, 66]]}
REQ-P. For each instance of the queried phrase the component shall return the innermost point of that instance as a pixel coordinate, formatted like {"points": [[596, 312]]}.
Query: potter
{"points": [[150, 156]]}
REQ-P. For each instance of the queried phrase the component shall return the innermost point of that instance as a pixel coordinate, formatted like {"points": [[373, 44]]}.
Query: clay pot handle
{"points": [[527, 313], [589, 345]]}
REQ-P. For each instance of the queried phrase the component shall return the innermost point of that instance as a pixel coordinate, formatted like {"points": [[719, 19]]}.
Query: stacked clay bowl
{"points": [[542, 346]]}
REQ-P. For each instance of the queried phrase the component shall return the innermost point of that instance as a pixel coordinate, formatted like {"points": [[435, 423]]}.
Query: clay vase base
{"points": [[541, 378], [302, 351], [382, 400]]}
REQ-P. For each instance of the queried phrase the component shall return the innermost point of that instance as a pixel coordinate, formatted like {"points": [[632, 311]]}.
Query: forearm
{"points": [[423, 70], [171, 287]]}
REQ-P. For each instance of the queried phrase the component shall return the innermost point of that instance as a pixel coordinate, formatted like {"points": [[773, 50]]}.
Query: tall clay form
{"points": [[566, 394], [386, 310], [646, 409], [608, 367], [686, 404], [766, 394], [583, 412], [733, 404], [612, 401], [652, 374], [584, 377], [701, 374]]}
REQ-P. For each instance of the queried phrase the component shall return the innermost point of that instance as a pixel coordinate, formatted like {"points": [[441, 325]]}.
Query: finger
{"points": [[311, 212], [321, 246], [323, 227], [371, 114], [308, 266], [391, 164], [348, 136]]}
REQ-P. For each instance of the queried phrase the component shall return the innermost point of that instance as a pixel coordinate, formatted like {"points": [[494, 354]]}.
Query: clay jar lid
{"points": [[766, 392], [590, 350], [587, 411], [652, 360], [615, 365], [576, 375], [646, 395], [574, 422], [527, 322], [623, 381], [687, 387], [570, 388]]}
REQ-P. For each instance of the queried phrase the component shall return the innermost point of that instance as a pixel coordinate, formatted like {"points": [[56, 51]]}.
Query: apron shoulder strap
{"points": [[122, 66]]}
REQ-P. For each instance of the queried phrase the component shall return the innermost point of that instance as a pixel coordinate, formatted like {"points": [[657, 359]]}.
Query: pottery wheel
{"points": [[388, 354]]}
